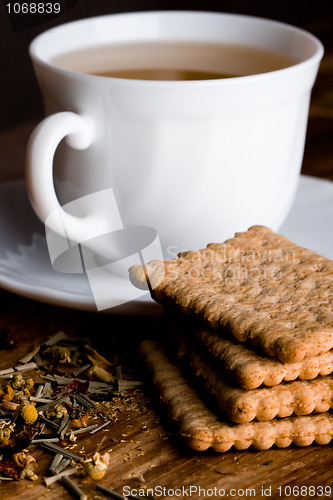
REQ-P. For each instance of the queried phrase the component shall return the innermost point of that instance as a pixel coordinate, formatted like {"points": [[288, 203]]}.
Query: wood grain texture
{"points": [[151, 446], [144, 442]]}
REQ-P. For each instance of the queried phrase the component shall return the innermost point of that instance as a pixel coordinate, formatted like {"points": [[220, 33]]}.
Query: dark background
{"points": [[20, 96]]}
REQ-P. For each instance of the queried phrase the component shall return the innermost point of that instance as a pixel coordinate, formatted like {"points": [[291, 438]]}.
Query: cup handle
{"points": [[79, 133]]}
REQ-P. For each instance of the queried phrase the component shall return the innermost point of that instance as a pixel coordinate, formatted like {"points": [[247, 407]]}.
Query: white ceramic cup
{"points": [[195, 160]]}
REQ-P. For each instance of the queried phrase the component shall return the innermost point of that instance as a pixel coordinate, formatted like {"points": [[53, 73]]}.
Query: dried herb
{"points": [[81, 369], [55, 411], [96, 467], [97, 360], [77, 423], [58, 354], [98, 373], [65, 462], [56, 449], [76, 386], [50, 480], [27, 463], [80, 431], [110, 493], [57, 337], [58, 457], [85, 402], [7, 393], [10, 469], [20, 440], [28, 471], [62, 404], [100, 427], [29, 414], [5, 436], [73, 488]]}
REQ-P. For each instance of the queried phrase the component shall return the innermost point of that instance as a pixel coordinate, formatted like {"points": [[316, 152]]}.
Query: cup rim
{"points": [[38, 41]]}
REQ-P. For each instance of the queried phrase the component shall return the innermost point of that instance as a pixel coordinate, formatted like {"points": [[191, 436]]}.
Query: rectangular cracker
{"points": [[266, 403], [202, 428], [259, 285], [247, 366]]}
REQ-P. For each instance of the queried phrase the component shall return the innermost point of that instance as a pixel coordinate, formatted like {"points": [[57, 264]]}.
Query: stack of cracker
{"points": [[255, 327]]}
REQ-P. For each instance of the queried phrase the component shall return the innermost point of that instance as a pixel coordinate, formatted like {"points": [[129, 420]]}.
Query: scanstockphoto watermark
{"points": [[105, 252], [194, 491], [188, 492]]}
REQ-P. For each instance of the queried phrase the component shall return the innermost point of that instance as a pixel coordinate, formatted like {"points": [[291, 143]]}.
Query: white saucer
{"points": [[25, 266]]}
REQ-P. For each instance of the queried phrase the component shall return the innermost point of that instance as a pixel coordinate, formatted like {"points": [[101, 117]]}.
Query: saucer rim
{"points": [[83, 302]]}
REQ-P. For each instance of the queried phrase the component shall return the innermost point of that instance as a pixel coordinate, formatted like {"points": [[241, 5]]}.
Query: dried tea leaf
{"points": [[58, 353], [96, 372], [9, 469], [78, 423], [76, 386], [20, 440], [96, 358]]}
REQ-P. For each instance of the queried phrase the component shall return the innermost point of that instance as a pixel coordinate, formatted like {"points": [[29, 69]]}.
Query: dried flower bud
{"points": [[97, 466], [29, 383], [78, 423], [26, 392], [9, 405], [20, 458], [58, 353], [56, 411], [18, 381], [21, 397], [96, 372], [10, 469], [28, 470], [29, 414], [96, 359], [72, 437], [9, 393], [5, 432]]}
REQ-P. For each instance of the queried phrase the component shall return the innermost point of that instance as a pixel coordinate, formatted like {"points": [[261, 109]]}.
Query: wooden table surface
{"points": [[144, 445]]}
